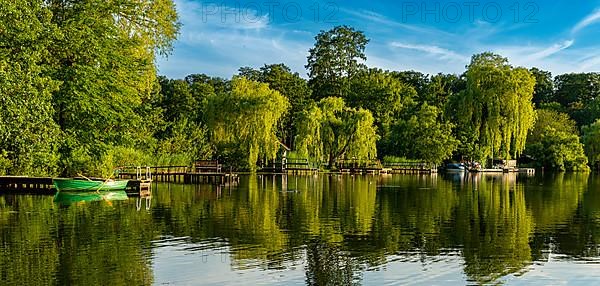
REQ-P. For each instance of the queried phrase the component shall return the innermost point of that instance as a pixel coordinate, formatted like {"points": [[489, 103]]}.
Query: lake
{"points": [[315, 230]]}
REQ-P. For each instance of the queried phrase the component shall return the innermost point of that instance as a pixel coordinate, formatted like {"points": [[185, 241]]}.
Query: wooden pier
{"points": [[376, 167], [289, 166], [28, 185], [203, 171], [410, 168], [141, 188], [44, 186], [528, 171]]}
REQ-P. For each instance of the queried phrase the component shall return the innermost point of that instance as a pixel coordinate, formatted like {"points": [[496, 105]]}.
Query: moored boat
{"points": [[69, 198], [77, 185], [456, 167]]}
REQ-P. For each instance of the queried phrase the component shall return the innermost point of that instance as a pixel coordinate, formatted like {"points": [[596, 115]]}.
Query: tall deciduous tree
{"points": [[289, 84], [579, 93], [441, 87], [333, 130], [554, 142], [591, 141], [28, 134], [106, 63], [495, 110], [548, 117], [244, 120], [559, 150], [424, 136], [544, 86], [380, 93], [338, 54], [386, 97], [419, 81]]}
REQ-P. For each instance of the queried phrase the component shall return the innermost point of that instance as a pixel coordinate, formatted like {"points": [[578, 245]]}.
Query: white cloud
{"points": [[551, 50], [221, 48], [435, 50], [377, 18], [588, 20], [198, 15], [590, 64]]}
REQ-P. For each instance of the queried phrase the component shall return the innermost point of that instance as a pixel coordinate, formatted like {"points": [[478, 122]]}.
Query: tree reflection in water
{"points": [[329, 265], [334, 226]]}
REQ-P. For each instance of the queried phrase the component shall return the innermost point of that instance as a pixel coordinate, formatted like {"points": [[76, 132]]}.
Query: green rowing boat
{"points": [[76, 185], [69, 198]]}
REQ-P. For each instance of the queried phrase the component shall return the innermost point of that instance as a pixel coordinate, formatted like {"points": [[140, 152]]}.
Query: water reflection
{"points": [[317, 230]]}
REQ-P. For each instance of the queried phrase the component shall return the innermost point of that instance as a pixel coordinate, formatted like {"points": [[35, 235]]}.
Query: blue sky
{"points": [[218, 37]]}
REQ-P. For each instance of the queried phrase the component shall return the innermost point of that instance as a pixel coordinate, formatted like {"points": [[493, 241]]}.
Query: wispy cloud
{"points": [[209, 44], [196, 15], [373, 17], [219, 47], [551, 50], [590, 63], [588, 20], [431, 49], [379, 19]]}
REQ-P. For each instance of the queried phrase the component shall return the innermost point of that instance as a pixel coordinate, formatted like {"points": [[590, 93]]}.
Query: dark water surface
{"points": [[318, 230]]}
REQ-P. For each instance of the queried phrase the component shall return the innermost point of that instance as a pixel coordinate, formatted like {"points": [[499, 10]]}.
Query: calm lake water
{"points": [[317, 230]]}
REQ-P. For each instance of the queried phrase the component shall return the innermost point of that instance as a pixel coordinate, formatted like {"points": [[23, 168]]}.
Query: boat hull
{"points": [[69, 198], [75, 185]]}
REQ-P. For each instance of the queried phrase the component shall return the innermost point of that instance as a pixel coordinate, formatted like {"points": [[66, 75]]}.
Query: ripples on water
{"points": [[317, 230]]}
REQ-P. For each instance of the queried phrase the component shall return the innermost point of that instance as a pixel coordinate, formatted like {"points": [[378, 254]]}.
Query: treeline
{"points": [[346, 110], [80, 94]]}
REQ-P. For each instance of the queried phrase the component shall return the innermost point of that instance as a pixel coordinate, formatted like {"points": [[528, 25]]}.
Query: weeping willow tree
{"points": [[496, 110], [331, 129], [243, 121]]}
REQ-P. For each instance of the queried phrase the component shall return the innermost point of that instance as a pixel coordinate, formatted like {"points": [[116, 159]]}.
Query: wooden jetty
{"points": [[290, 166], [376, 167], [142, 188], [410, 168], [203, 171], [528, 171], [44, 185], [25, 184]]}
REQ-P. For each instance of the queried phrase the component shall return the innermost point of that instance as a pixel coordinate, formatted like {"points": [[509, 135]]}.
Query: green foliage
{"points": [[424, 137], [245, 120], [100, 103], [178, 102], [554, 142], [119, 157], [204, 84], [558, 150], [553, 105], [382, 94], [395, 159], [417, 80], [334, 130], [186, 143], [544, 86], [436, 89], [495, 112], [334, 59], [28, 134], [591, 142], [291, 86], [5, 163], [579, 93], [441, 87], [551, 118]]}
